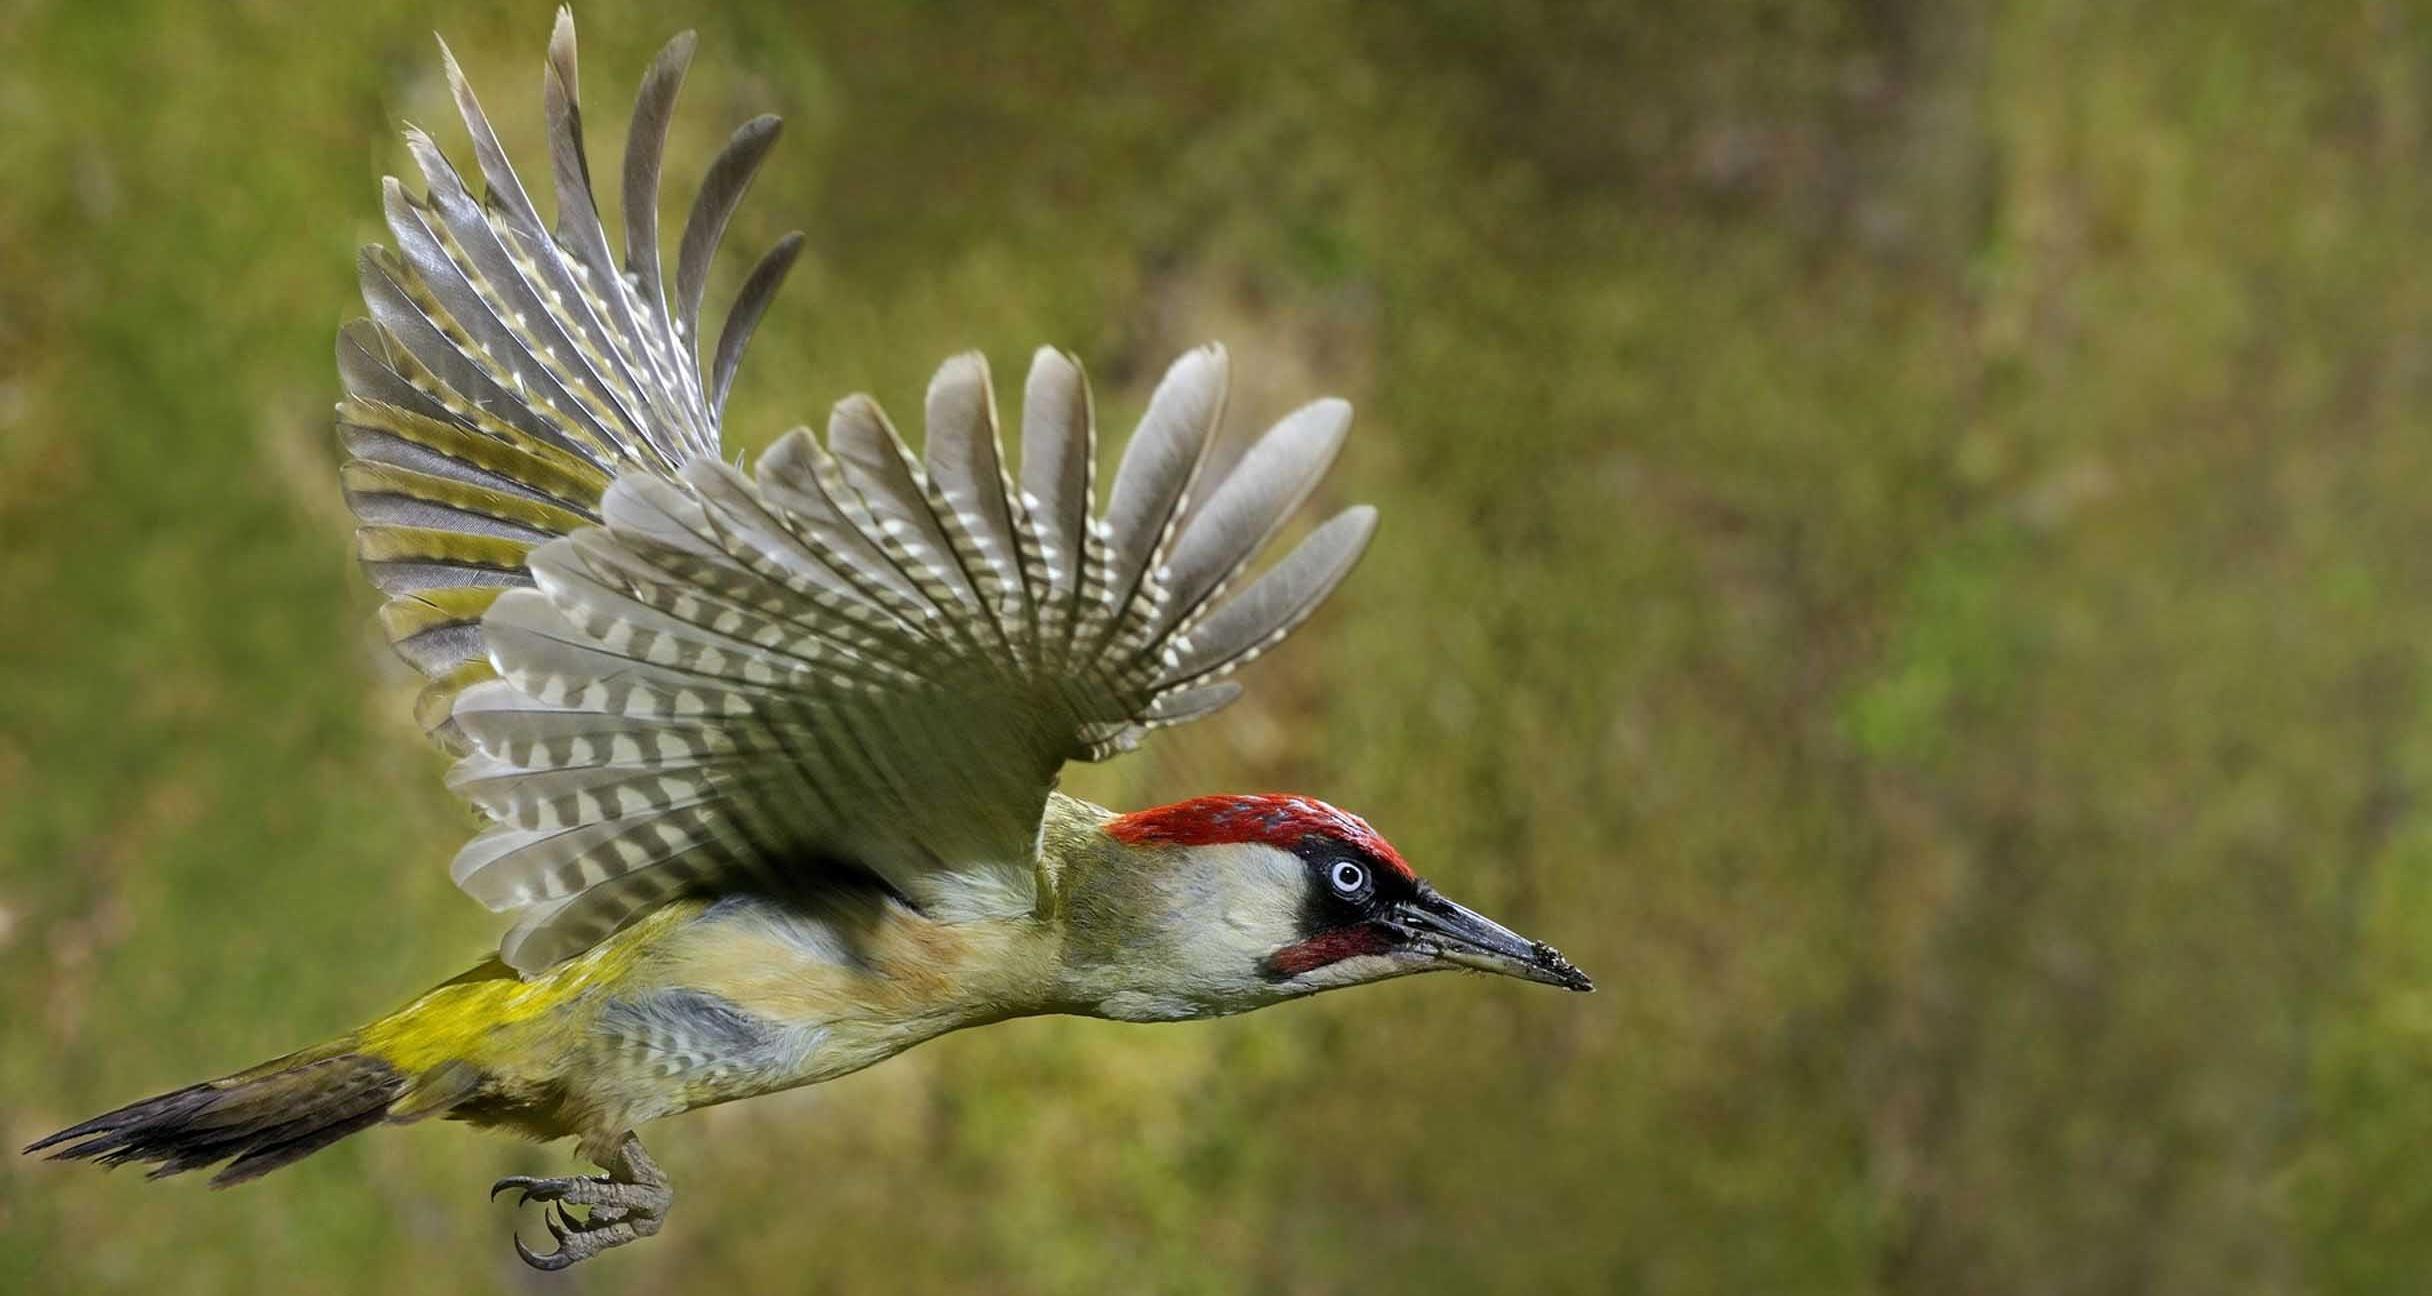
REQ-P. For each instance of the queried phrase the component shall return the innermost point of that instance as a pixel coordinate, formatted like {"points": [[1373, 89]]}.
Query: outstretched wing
{"points": [[853, 658], [510, 371], [666, 676]]}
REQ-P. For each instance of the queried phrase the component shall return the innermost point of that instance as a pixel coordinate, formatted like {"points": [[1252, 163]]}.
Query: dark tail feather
{"points": [[255, 1120]]}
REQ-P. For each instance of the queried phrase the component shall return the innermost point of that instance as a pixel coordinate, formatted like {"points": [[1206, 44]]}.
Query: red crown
{"points": [[1274, 819]]}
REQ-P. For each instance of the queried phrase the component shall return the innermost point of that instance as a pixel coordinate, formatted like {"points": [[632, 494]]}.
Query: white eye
{"points": [[1348, 878]]}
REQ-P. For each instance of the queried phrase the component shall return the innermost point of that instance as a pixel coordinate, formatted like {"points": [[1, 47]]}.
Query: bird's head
{"points": [[1242, 901]]}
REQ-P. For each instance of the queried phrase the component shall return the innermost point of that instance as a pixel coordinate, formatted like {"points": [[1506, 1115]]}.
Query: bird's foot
{"points": [[626, 1204]]}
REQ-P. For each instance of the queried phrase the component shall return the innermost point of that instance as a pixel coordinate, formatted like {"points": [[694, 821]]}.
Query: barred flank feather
{"points": [[256, 1121], [511, 371]]}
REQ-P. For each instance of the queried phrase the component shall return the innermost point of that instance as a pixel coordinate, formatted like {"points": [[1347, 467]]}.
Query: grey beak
{"points": [[1451, 933]]}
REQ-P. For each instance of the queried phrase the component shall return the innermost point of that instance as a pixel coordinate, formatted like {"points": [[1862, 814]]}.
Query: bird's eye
{"points": [[1348, 878]]}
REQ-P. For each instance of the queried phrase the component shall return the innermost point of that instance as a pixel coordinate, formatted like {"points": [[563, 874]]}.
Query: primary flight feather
{"points": [[769, 756]]}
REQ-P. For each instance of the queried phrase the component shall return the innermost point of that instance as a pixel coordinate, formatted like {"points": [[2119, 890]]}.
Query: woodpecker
{"points": [[770, 758]]}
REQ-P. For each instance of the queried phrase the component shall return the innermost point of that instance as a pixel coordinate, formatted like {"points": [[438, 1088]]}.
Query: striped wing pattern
{"points": [[510, 370], [853, 657], [666, 676]]}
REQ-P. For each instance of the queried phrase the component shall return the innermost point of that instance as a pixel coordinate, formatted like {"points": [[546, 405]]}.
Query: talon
{"points": [[549, 1263], [628, 1203]]}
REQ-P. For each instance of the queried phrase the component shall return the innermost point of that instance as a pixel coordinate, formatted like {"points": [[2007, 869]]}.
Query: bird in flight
{"points": [[770, 758]]}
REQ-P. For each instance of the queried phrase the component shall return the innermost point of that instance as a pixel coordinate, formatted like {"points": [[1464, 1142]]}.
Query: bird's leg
{"points": [[627, 1203]]}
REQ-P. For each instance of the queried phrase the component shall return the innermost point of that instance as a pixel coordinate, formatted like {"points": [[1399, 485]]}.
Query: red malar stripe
{"points": [[1328, 947]]}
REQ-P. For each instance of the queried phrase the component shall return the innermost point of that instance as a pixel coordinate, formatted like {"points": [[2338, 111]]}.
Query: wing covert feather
{"points": [[811, 709]]}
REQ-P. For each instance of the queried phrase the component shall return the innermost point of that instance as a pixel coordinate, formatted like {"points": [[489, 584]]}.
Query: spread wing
{"points": [[509, 371], [853, 658], [671, 677]]}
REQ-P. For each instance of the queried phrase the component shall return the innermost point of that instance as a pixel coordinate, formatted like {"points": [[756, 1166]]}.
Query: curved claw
{"points": [[524, 1182], [561, 1224], [549, 1263]]}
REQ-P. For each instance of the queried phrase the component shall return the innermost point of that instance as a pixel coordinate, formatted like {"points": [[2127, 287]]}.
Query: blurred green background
{"points": [[1907, 552]]}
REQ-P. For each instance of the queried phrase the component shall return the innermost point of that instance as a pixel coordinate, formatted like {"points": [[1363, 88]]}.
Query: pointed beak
{"points": [[1434, 927]]}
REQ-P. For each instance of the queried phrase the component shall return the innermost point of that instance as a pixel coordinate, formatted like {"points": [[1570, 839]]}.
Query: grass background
{"points": [[1907, 538]]}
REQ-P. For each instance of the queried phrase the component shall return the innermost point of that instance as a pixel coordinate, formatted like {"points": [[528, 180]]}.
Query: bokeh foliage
{"points": [[1908, 552]]}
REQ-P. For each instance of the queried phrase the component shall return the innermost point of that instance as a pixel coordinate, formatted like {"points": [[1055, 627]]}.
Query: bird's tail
{"points": [[404, 1067], [256, 1120]]}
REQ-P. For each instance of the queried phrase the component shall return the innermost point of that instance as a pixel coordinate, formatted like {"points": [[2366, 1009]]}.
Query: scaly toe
{"points": [[627, 1204], [576, 1242], [576, 1190]]}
